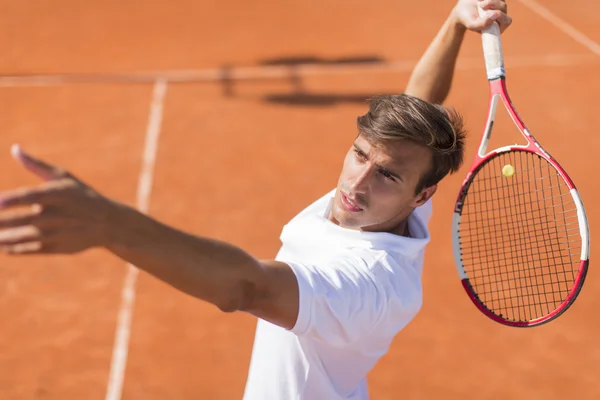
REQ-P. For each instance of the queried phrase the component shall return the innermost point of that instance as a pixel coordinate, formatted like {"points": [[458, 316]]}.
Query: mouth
{"points": [[349, 205]]}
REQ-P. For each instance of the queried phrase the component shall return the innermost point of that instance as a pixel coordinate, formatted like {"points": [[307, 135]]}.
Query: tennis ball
{"points": [[508, 170]]}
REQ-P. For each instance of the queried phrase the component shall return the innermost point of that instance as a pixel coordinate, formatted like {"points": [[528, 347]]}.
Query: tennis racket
{"points": [[520, 231]]}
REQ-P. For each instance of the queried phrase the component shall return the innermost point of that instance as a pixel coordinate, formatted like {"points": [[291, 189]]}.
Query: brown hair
{"points": [[405, 117]]}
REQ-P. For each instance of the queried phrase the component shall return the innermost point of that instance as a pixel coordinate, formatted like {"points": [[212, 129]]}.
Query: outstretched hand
{"points": [[61, 215], [467, 14]]}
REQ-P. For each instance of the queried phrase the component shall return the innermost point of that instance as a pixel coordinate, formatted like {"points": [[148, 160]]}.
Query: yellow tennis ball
{"points": [[508, 170]]}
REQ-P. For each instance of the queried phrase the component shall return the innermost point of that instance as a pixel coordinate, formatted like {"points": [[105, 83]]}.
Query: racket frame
{"points": [[494, 60]]}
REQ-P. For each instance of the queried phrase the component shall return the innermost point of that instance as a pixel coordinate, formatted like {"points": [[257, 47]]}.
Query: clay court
{"points": [[227, 118]]}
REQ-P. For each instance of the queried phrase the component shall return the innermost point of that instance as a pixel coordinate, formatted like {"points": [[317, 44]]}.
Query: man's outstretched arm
{"points": [[65, 216], [431, 78]]}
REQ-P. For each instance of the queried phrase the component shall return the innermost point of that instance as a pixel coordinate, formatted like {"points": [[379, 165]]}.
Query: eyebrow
{"points": [[381, 167]]}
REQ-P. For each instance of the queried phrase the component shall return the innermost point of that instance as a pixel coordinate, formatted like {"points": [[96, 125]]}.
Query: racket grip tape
{"points": [[492, 49]]}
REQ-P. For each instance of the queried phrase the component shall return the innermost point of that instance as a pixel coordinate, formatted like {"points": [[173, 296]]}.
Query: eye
{"points": [[360, 154], [387, 175]]}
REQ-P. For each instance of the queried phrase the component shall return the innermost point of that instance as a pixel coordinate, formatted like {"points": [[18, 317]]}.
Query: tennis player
{"points": [[347, 278]]}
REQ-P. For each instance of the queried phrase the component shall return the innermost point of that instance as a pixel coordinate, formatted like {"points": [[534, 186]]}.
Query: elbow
{"points": [[228, 304], [239, 298], [433, 98], [435, 93]]}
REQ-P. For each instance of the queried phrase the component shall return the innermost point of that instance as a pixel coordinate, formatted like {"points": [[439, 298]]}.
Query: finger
{"points": [[36, 166], [493, 5], [48, 238], [55, 242], [488, 18], [36, 215], [43, 194], [20, 217], [23, 248], [504, 21], [21, 234]]}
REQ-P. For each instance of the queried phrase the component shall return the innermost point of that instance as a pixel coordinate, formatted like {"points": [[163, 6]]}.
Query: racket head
{"points": [[521, 255], [520, 242]]}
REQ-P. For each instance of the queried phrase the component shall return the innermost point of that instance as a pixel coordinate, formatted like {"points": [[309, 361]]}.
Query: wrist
{"points": [[120, 226], [455, 23]]}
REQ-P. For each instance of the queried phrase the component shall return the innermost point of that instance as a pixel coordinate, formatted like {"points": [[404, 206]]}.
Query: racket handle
{"points": [[492, 49]]}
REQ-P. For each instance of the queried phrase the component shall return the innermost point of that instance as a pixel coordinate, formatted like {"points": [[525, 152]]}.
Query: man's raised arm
{"points": [[431, 78]]}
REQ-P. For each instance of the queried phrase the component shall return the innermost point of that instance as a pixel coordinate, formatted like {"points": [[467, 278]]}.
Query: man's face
{"points": [[376, 188]]}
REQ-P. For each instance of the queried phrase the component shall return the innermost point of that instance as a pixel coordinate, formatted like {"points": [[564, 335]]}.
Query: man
{"points": [[348, 275]]}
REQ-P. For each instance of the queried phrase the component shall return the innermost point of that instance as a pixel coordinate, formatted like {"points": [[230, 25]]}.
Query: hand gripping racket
{"points": [[520, 231]]}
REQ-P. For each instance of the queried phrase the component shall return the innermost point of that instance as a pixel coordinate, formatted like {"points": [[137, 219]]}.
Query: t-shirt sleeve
{"points": [[344, 299]]}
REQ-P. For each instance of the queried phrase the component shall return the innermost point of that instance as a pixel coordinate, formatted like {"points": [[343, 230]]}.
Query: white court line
{"points": [[116, 378], [213, 75], [561, 24]]}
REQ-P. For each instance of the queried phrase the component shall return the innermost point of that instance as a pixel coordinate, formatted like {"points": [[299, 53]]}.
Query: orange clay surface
{"points": [[237, 158]]}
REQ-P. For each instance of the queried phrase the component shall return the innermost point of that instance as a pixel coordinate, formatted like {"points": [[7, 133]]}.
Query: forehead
{"points": [[404, 155]]}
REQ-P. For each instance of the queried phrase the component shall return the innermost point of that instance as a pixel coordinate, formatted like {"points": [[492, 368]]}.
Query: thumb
{"points": [[37, 167]]}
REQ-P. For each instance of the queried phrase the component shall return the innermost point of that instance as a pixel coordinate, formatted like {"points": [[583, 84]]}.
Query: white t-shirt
{"points": [[357, 291]]}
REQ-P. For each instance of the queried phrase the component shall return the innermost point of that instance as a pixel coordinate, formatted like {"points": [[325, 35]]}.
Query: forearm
{"points": [[208, 269], [431, 79]]}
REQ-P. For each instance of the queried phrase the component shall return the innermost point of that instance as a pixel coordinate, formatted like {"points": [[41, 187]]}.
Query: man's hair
{"points": [[405, 117]]}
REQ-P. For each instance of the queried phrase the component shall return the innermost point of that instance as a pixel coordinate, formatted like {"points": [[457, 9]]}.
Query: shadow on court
{"points": [[316, 100], [299, 95]]}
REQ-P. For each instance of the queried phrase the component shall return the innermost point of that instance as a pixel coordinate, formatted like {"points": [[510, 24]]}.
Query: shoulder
{"points": [[345, 296], [387, 273]]}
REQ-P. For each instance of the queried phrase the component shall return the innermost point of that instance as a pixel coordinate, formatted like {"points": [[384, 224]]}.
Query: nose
{"points": [[361, 183]]}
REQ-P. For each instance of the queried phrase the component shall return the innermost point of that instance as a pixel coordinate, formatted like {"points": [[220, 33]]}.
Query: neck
{"points": [[402, 229]]}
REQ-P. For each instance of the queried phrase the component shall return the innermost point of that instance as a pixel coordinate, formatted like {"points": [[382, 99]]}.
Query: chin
{"points": [[345, 219]]}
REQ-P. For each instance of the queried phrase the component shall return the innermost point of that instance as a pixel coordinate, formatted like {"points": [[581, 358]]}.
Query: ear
{"points": [[424, 196]]}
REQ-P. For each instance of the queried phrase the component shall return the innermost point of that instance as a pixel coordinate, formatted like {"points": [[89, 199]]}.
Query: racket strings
{"points": [[519, 237]]}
